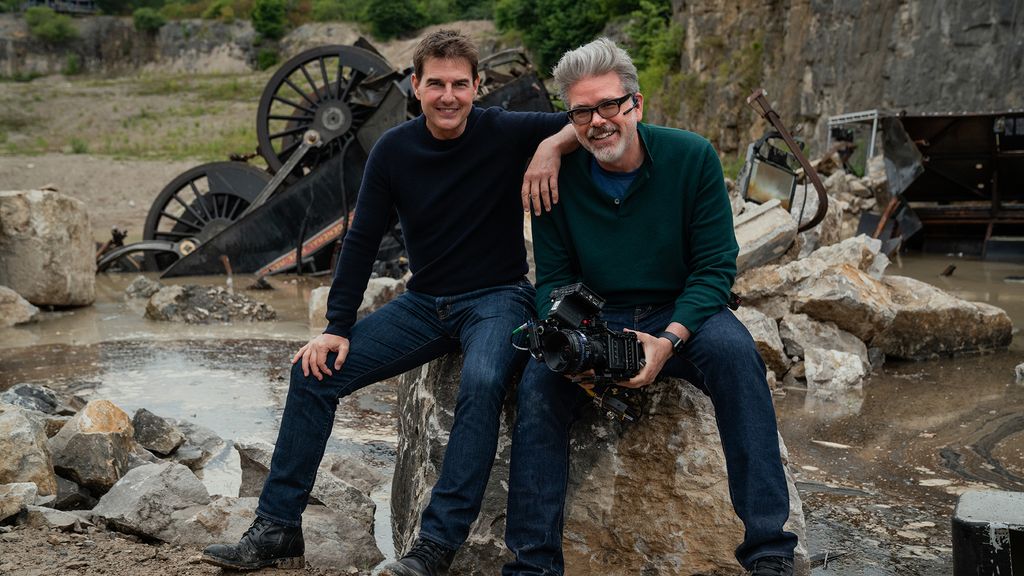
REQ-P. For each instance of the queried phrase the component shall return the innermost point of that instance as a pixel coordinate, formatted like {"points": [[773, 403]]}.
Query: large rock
{"points": [[929, 322], [16, 497], [24, 453], [832, 370], [94, 448], [328, 490], [32, 397], [14, 309], [204, 304], [764, 233], [379, 291], [158, 435], [647, 498], [799, 332], [765, 333], [46, 250], [153, 501], [850, 298], [336, 543], [201, 445]]}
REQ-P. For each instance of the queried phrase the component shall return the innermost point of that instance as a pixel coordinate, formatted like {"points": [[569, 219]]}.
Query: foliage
{"points": [[336, 10], [47, 25], [148, 20], [220, 10], [550, 27], [72, 65], [266, 58], [391, 18], [9, 5], [79, 146], [269, 18]]}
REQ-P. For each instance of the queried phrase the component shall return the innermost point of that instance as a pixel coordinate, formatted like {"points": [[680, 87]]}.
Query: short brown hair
{"points": [[445, 44]]}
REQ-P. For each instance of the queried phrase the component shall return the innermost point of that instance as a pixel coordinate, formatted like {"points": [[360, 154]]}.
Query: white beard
{"points": [[606, 154]]}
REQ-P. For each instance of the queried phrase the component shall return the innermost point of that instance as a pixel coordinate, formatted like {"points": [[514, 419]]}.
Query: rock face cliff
{"points": [[819, 58]]}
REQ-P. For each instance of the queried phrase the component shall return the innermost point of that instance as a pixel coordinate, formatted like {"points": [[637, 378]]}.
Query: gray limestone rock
{"points": [[24, 453], [14, 309], [799, 331], [15, 497], [671, 461], [43, 517], [204, 304], [142, 287], [71, 496], [201, 444], [850, 298], [158, 435], [1018, 373], [379, 291], [153, 501], [32, 397], [46, 250], [929, 322], [763, 233], [94, 448], [832, 370], [766, 336]]}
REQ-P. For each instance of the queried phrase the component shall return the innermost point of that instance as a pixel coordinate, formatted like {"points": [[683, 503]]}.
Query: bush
{"points": [[220, 10], [9, 5], [550, 27], [47, 25], [336, 10], [72, 65], [391, 18], [148, 20], [266, 58], [269, 18], [79, 146]]}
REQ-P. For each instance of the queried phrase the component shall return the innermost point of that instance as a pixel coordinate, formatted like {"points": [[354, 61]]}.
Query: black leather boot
{"points": [[263, 544], [425, 559], [772, 566]]}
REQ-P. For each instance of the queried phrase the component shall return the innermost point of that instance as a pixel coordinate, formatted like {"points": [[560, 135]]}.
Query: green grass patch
{"points": [[79, 146]]}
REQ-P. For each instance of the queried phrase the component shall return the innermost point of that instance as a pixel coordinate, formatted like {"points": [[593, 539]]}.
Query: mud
{"points": [[879, 469]]}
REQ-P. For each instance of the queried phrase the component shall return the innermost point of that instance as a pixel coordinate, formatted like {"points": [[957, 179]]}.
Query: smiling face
{"points": [[446, 91], [613, 141]]}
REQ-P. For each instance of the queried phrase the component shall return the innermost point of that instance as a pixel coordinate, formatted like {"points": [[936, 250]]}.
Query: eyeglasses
{"points": [[606, 109]]}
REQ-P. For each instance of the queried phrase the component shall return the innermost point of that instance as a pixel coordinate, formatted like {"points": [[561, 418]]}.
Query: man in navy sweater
{"points": [[455, 175]]}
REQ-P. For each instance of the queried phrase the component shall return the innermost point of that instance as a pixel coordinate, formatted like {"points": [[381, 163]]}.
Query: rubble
{"points": [[204, 304], [15, 497], [32, 397], [46, 250], [142, 287], [156, 434], [764, 233], [94, 447], [832, 370], [670, 461], [765, 332], [14, 309]]}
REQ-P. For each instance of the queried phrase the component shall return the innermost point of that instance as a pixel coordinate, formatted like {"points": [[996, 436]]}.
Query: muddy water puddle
{"points": [[879, 469]]}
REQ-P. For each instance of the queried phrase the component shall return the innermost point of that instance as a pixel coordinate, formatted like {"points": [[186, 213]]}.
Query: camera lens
{"points": [[566, 351]]}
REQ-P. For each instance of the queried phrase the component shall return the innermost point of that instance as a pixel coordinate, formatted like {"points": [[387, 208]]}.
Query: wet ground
{"points": [[879, 469]]}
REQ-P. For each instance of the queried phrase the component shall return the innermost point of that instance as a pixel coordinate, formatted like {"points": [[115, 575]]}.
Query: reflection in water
{"points": [[832, 404]]}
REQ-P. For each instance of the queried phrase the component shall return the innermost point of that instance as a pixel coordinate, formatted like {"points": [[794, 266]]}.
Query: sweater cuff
{"points": [[338, 330]]}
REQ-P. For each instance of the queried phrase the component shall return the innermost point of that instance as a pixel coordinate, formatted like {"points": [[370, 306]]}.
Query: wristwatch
{"points": [[677, 343]]}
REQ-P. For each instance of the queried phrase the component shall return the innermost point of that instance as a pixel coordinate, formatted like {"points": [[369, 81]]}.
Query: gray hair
{"points": [[594, 59]]}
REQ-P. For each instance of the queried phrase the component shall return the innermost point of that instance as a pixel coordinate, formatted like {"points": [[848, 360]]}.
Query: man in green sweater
{"points": [[644, 221]]}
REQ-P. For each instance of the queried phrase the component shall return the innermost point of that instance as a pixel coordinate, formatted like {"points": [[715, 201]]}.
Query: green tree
{"points": [[148, 20], [337, 10], [391, 18], [550, 27], [47, 25], [269, 18]]}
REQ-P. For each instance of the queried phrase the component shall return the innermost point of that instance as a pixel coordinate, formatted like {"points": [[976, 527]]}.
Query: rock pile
{"points": [[141, 475], [204, 304]]}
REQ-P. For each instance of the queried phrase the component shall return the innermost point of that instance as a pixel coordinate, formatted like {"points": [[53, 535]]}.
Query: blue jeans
{"points": [[405, 333], [722, 361]]}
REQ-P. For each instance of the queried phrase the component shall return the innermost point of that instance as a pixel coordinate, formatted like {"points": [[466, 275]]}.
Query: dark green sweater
{"points": [[670, 239]]}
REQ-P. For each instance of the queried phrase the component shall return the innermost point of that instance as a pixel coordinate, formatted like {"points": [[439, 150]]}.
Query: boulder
{"points": [[71, 496], [142, 287], [158, 435], [16, 497], [94, 448], [46, 249], [201, 444], [328, 490], [799, 332], [379, 291], [14, 309], [764, 233], [766, 336], [204, 304], [670, 461], [43, 517], [850, 298], [832, 370], [24, 453], [335, 542], [32, 397], [153, 501], [929, 322]]}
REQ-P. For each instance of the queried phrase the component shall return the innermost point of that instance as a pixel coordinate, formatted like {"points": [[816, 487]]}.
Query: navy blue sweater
{"points": [[458, 201]]}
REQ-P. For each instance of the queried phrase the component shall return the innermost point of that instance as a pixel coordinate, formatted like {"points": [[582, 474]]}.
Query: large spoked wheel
{"points": [[322, 89], [200, 203]]}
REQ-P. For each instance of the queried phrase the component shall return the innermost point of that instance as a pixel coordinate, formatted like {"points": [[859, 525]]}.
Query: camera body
{"points": [[573, 338]]}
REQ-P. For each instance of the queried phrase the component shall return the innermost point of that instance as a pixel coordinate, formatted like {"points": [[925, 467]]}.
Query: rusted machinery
{"points": [[317, 120]]}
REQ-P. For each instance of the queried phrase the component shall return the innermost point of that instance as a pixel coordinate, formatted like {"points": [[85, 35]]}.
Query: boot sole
{"points": [[293, 563]]}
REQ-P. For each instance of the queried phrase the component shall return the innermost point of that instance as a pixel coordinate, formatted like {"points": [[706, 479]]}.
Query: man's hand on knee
{"points": [[314, 355]]}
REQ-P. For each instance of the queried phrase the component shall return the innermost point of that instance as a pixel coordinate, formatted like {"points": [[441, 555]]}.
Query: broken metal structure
{"points": [[956, 180], [317, 119]]}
